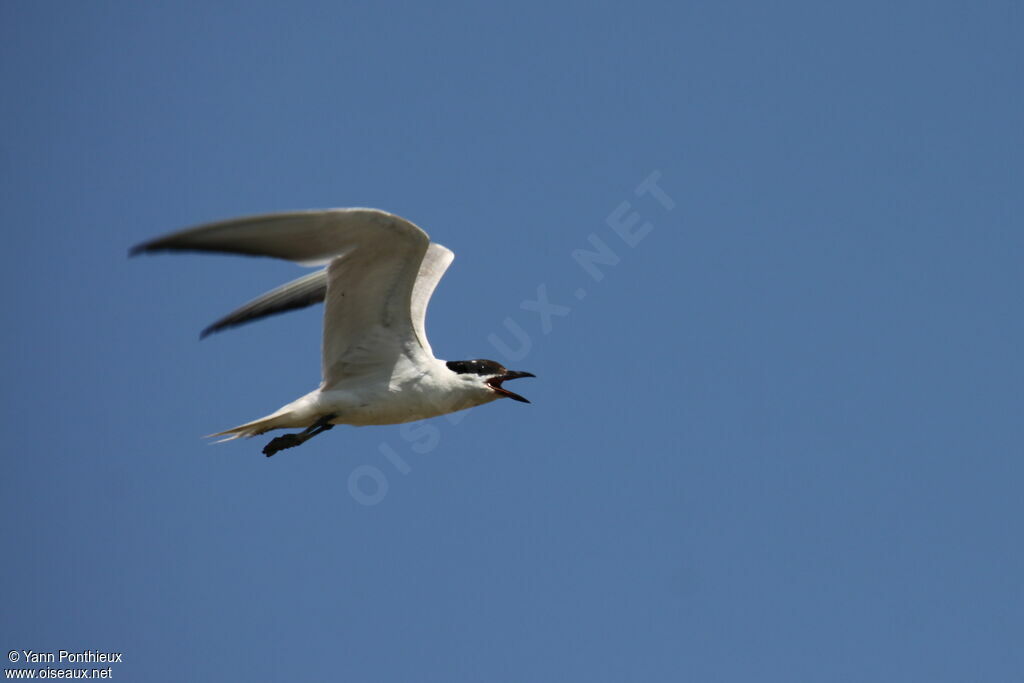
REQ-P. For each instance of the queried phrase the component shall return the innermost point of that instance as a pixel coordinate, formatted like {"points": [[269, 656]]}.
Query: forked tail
{"points": [[284, 418], [301, 412]]}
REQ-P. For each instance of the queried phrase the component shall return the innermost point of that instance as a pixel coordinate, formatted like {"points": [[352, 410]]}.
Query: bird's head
{"points": [[489, 375]]}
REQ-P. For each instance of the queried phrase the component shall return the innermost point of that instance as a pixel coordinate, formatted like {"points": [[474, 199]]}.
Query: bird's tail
{"points": [[249, 429], [286, 417]]}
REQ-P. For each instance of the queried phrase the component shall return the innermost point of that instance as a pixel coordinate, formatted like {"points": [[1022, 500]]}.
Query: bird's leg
{"points": [[291, 440]]}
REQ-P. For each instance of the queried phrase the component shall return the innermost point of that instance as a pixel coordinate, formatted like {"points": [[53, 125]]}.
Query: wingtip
{"points": [[218, 326], [158, 244], [142, 248]]}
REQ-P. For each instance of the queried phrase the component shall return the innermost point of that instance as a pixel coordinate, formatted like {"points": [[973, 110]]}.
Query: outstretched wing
{"points": [[374, 262], [435, 263]]}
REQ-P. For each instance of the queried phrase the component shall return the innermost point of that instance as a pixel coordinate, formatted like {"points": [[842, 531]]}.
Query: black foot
{"points": [[282, 442], [292, 440]]}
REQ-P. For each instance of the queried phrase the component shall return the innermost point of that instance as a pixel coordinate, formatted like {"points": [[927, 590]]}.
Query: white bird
{"points": [[377, 365]]}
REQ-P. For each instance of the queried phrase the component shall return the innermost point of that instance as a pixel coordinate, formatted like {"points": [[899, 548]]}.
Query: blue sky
{"points": [[779, 439]]}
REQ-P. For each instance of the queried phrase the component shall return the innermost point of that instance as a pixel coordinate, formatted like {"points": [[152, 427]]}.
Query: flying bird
{"points": [[377, 365]]}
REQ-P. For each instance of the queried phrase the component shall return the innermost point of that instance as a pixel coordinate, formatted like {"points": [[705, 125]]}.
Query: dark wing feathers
{"points": [[305, 291]]}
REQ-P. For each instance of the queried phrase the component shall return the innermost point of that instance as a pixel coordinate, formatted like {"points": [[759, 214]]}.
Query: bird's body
{"points": [[410, 394], [377, 365]]}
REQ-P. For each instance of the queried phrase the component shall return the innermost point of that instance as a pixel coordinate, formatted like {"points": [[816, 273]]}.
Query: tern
{"points": [[377, 365]]}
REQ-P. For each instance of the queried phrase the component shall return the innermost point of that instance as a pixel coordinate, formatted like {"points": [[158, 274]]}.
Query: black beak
{"points": [[495, 383]]}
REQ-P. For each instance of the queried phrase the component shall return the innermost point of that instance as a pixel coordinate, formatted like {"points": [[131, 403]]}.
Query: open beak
{"points": [[495, 383]]}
